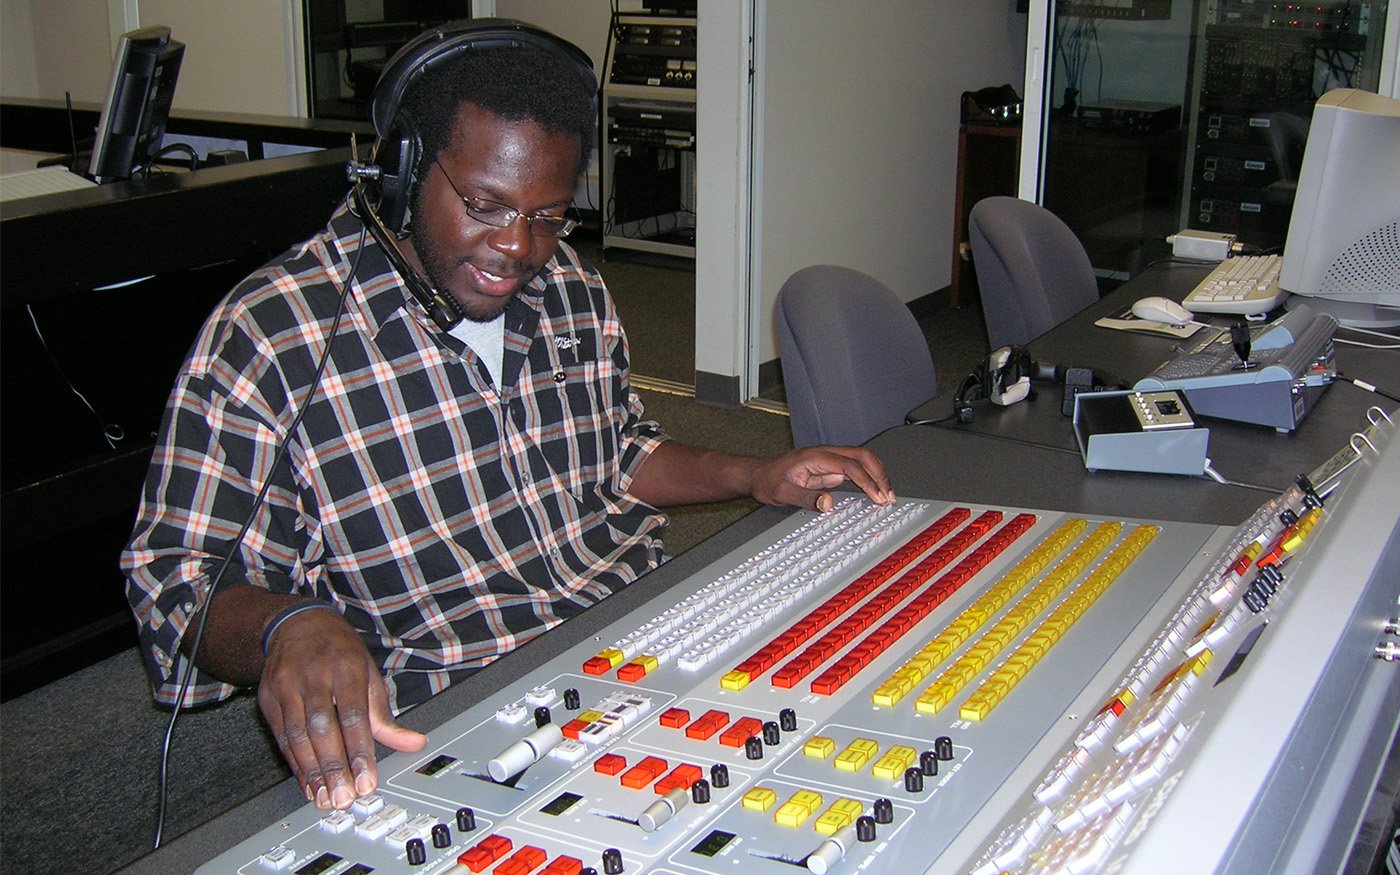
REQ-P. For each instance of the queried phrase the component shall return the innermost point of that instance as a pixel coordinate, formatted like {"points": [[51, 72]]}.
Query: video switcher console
{"points": [[933, 686]]}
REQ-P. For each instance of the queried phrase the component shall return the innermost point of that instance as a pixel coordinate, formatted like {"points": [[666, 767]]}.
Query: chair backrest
{"points": [[854, 359], [1032, 271]]}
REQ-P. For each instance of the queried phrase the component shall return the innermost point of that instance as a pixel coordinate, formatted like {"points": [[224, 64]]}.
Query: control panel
{"points": [[932, 686]]}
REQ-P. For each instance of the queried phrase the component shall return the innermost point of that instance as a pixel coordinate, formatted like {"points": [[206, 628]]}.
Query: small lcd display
{"points": [[713, 843], [323, 863], [561, 803], [435, 765]]}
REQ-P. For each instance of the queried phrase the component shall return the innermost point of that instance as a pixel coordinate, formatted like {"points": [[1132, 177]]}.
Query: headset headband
{"points": [[432, 48]]}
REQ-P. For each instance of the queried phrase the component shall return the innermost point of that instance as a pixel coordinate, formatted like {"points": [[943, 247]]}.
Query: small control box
{"points": [[1154, 432]]}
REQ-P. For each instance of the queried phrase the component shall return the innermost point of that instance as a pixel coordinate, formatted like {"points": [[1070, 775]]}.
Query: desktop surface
{"points": [[1239, 451]]}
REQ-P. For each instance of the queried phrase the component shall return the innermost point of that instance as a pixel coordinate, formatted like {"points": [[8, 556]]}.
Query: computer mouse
{"points": [[1162, 310]]}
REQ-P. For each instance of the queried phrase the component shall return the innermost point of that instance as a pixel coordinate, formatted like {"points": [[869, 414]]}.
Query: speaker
{"points": [[399, 142]]}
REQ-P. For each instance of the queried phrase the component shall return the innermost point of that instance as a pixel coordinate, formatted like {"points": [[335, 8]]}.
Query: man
{"points": [[443, 497]]}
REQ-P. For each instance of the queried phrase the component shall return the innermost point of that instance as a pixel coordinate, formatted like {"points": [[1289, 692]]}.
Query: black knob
{"points": [[943, 747], [884, 810], [865, 828], [719, 775], [700, 792], [753, 748], [571, 700], [612, 861], [588, 870], [541, 715], [466, 820], [417, 854], [914, 779], [442, 836], [928, 763], [771, 733], [787, 719]]}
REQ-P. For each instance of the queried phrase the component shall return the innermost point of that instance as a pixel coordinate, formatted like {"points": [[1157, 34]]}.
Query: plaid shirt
{"points": [[448, 519]]}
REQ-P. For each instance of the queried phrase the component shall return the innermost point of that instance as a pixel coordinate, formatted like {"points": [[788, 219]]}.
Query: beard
{"points": [[439, 267]]}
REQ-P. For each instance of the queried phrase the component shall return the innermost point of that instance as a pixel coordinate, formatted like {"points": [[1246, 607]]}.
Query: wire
{"points": [[112, 433], [187, 673], [1364, 345], [1361, 384], [1225, 481]]}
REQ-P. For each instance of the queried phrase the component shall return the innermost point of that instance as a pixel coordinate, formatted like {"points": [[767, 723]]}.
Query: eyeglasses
{"points": [[501, 216]]}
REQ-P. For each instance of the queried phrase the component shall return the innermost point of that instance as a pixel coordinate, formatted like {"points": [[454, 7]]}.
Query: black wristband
{"points": [[286, 614]]}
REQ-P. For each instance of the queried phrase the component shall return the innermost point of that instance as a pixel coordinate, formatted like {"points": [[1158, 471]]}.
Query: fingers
{"points": [[803, 477], [325, 702], [383, 727], [324, 733], [866, 472]]}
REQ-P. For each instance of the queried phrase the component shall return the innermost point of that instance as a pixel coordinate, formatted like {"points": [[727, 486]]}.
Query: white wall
{"points": [[857, 135], [240, 55], [53, 46]]}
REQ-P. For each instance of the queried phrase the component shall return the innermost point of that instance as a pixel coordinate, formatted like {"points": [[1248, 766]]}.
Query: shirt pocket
{"points": [[574, 427]]}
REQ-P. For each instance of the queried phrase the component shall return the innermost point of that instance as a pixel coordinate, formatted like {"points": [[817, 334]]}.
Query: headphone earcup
{"points": [[397, 156]]}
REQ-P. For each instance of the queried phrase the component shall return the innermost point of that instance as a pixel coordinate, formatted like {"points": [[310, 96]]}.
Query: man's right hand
{"points": [[327, 704]]}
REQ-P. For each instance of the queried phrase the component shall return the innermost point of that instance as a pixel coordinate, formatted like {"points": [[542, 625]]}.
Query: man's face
{"points": [[515, 163]]}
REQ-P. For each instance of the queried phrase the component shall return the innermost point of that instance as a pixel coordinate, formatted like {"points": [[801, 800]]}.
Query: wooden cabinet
{"points": [[989, 159]]}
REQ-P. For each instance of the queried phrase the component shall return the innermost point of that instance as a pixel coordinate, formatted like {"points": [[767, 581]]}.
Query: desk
{"points": [[1239, 451], [66, 492]]}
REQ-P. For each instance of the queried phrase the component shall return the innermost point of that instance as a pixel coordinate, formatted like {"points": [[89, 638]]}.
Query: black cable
{"points": [[1361, 384], [112, 432], [186, 148], [189, 666]]}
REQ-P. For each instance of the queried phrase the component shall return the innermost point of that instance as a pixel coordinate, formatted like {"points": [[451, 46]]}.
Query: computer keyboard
{"points": [[1246, 285]]}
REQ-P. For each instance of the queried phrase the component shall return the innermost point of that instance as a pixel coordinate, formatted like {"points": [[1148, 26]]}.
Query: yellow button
{"points": [[819, 747], [735, 680], [613, 656], [891, 766], [790, 814], [760, 799], [842, 813], [856, 755], [934, 698]]}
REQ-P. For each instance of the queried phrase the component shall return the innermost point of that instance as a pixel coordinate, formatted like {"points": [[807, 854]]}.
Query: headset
{"points": [[1005, 376], [383, 187]]}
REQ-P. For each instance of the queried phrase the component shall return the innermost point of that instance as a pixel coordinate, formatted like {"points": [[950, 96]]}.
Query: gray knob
{"points": [[525, 752], [663, 809], [831, 851]]}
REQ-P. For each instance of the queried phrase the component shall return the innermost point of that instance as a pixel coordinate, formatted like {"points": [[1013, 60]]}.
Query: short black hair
{"points": [[513, 83]]}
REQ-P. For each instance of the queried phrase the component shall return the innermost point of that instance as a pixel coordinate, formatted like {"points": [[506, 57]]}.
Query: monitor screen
{"points": [[1343, 247], [137, 106]]}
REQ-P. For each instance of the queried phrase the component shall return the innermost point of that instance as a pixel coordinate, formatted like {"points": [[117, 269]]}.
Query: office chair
{"points": [[1032, 272], [854, 358]]}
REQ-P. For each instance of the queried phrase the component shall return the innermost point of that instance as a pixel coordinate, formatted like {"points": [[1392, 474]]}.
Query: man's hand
{"points": [[678, 474], [327, 705], [803, 478]]}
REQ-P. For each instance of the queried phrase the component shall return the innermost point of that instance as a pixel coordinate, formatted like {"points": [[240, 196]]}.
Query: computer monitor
{"points": [[137, 107], [1342, 253]]}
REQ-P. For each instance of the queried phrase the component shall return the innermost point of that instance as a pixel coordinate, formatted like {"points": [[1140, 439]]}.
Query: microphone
{"points": [[440, 306]]}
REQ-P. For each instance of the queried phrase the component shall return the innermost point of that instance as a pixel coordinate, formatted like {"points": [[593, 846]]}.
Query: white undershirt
{"points": [[487, 340]]}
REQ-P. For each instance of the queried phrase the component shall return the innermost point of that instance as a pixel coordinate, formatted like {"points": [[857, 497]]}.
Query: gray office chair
{"points": [[854, 358], [1032, 272]]}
